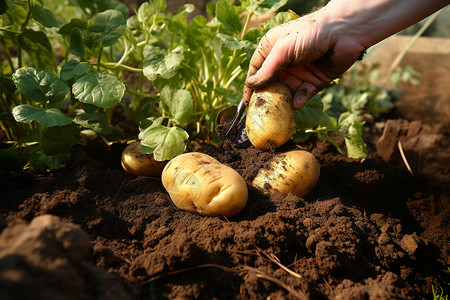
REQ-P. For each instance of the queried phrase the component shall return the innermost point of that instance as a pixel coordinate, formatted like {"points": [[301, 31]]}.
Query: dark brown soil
{"points": [[369, 230]]}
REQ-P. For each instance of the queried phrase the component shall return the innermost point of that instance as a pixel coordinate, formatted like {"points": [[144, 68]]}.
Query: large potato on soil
{"points": [[198, 183], [136, 162], [270, 116], [295, 172]]}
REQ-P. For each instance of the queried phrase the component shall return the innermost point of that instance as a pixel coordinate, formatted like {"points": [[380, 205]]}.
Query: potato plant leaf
{"points": [[230, 42], [148, 10], [38, 46], [156, 63], [45, 17], [59, 139], [50, 117], [77, 43], [352, 129], [149, 123], [101, 89], [73, 68], [40, 85], [310, 114], [262, 7], [110, 24], [40, 161], [94, 121], [74, 23], [164, 142], [356, 147], [178, 103], [227, 15]]}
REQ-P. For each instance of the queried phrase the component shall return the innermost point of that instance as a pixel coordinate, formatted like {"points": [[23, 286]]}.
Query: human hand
{"points": [[307, 54]]}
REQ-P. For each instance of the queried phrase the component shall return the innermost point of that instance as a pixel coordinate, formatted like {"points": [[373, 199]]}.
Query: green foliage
{"points": [[197, 67], [345, 105], [42, 92], [440, 295], [74, 61]]}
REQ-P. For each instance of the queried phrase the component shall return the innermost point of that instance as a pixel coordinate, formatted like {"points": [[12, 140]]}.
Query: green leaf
{"points": [[94, 121], [45, 17], [38, 46], [149, 123], [230, 42], [262, 7], [40, 161], [110, 23], [73, 24], [77, 43], [196, 35], [165, 142], [101, 89], [50, 117], [92, 40], [356, 147], [157, 64], [186, 9], [40, 85], [346, 119], [147, 11], [179, 104], [227, 15], [73, 68], [58, 140], [278, 19], [310, 114]]}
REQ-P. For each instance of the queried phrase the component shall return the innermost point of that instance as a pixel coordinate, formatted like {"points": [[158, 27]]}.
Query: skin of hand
{"points": [[304, 55], [309, 52]]}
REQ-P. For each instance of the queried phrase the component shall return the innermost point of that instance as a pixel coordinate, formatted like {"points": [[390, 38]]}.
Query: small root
{"points": [[400, 148]]}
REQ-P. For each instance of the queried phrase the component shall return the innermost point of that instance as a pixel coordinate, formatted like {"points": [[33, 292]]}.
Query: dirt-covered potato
{"points": [[270, 116], [136, 162], [198, 183], [295, 171]]}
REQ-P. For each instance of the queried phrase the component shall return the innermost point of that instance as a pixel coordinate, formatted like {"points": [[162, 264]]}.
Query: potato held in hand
{"points": [[270, 116], [295, 172], [136, 162], [198, 183]]}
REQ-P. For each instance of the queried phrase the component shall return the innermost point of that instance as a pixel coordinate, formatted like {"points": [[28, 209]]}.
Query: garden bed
{"points": [[370, 229]]}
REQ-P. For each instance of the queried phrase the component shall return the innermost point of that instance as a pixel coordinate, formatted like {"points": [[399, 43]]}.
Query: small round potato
{"points": [[198, 183], [136, 162], [295, 172], [270, 116]]}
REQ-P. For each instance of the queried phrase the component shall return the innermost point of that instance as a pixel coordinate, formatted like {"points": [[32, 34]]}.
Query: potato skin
{"points": [[270, 116], [198, 183], [136, 162], [295, 171]]}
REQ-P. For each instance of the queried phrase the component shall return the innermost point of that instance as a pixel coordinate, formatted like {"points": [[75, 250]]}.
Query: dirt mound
{"points": [[44, 260], [369, 230]]}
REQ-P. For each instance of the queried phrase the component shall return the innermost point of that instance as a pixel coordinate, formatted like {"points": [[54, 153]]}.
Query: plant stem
{"points": [[6, 29], [99, 59], [112, 66], [247, 22], [27, 19]]}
